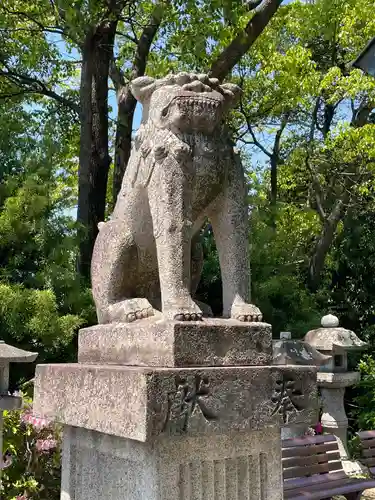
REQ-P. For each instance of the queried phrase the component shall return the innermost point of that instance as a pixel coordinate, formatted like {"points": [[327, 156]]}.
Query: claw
{"points": [[179, 317], [131, 317]]}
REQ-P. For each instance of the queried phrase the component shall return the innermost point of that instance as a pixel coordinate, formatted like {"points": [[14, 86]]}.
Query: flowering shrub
{"points": [[31, 457]]}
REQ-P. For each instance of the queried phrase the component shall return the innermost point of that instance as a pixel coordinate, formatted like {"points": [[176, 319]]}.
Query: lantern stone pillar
{"points": [[333, 378]]}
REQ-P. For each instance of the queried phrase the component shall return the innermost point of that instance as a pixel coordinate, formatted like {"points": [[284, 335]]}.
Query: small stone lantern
{"points": [[9, 354], [288, 351], [333, 376]]}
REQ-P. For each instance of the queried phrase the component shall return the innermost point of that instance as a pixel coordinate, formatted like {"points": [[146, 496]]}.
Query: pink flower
{"points": [[38, 423], [319, 428], [48, 444]]}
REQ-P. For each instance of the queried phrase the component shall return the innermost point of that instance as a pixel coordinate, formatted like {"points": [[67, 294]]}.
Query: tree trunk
{"points": [[94, 157], [274, 164], [126, 108], [125, 100], [359, 119], [324, 243], [238, 47]]}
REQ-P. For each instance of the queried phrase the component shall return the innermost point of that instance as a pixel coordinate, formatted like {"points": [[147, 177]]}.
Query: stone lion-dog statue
{"points": [[182, 170]]}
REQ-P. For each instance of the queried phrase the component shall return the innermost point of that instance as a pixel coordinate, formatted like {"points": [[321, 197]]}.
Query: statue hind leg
{"points": [[115, 256]]}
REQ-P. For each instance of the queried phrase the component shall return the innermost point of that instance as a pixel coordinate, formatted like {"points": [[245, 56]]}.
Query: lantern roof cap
{"points": [[11, 354]]}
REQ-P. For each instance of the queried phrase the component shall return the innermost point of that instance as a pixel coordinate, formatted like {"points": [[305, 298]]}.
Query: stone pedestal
{"points": [[198, 418], [242, 465]]}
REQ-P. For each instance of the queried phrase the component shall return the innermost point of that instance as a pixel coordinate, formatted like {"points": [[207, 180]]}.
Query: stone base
{"points": [[141, 403], [152, 342], [354, 468], [236, 466]]}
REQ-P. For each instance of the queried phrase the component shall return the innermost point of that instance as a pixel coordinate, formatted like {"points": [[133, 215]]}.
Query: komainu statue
{"points": [[182, 170]]}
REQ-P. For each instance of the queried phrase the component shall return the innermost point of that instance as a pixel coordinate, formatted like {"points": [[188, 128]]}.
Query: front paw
{"points": [[188, 311], [246, 312], [129, 310]]}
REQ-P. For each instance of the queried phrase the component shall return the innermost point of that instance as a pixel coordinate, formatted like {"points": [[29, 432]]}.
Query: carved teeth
{"points": [[198, 104]]}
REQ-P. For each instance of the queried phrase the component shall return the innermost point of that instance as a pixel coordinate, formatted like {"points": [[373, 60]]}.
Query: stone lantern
{"points": [[288, 351], [9, 354], [333, 376]]}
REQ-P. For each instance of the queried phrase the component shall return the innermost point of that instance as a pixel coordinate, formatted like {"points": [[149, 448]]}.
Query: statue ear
{"points": [[142, 88], [232, 91]]}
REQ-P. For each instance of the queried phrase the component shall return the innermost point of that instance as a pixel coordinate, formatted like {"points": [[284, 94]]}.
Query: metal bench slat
{"points": [[312, 469], [366, 434], [368, 443], [293, 442], [318, 479], [369, 462], [314, 459], [352, 486], [309, 449], [323, 485], [368, 453]]}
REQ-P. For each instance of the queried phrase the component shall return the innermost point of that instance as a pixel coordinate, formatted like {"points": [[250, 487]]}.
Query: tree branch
{"points": [[11, 94], [251, 132], [33, 85], [143, 48], [48, 29], [116, 75], [125, 99], [279, 133], [253, 4], [232, 54], [128, 37], [361, 114]]}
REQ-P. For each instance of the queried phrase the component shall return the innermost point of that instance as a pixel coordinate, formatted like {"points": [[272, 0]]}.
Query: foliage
{"points": [[34, 447], [364, 412], [42, 301]]}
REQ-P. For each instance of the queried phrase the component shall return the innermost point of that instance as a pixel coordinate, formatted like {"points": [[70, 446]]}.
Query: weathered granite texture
{"points": [[211, 342], [331, 336], [182, 170], [337, 380], [334, 419], [296, 352], [141, 403], [237, 466]]}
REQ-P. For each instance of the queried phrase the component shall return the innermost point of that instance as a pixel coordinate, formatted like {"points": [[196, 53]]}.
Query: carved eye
{"points": [[164, 112]]}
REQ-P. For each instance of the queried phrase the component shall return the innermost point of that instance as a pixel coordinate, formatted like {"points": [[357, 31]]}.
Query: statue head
{"points": [[185, 102]]}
